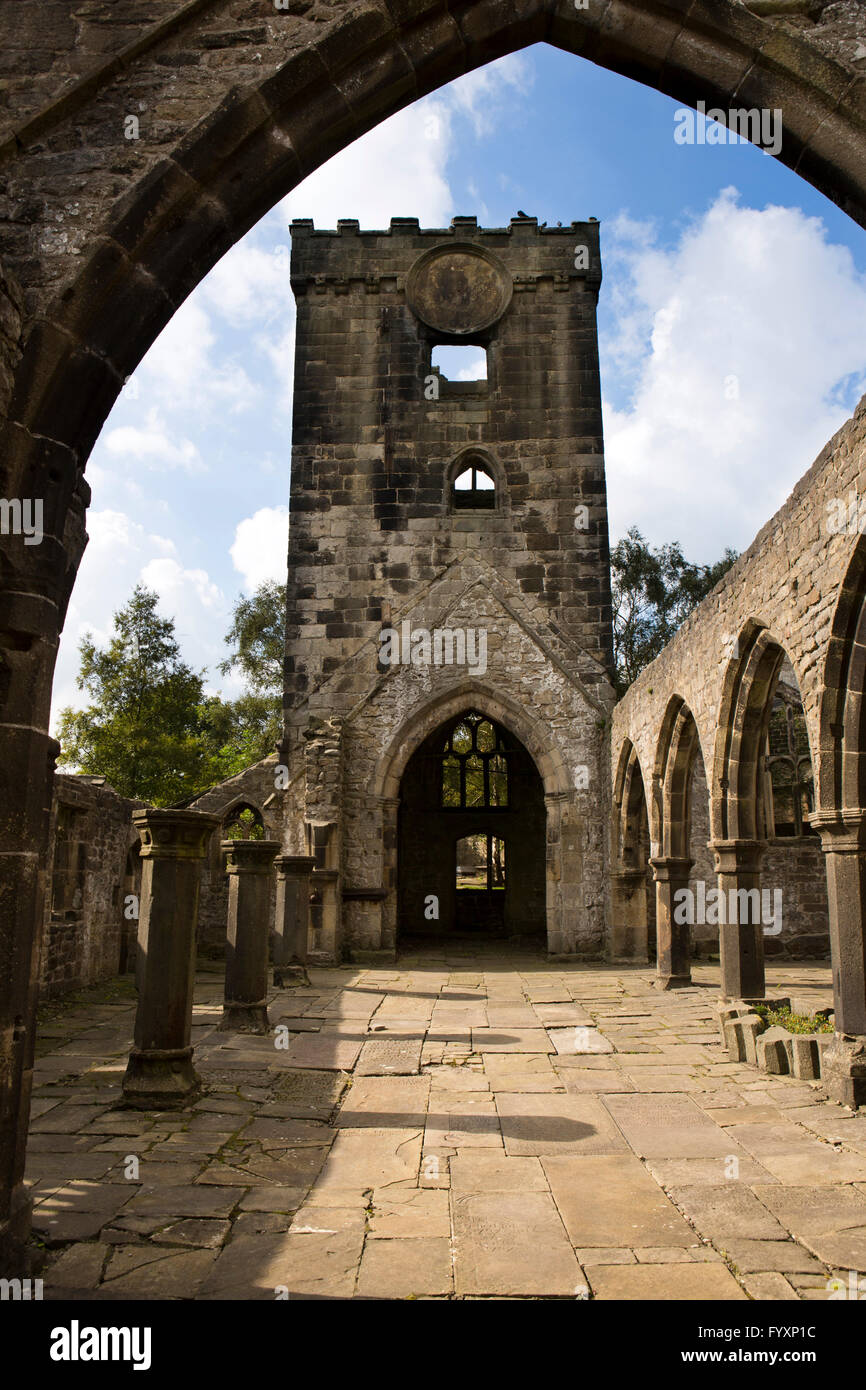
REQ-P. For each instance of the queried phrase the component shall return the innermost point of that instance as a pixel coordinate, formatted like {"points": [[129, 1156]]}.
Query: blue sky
{"points": [[732, 327]]}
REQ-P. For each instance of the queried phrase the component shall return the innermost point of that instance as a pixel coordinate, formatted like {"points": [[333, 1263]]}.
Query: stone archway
{"points": [[677, 753], [143, 222], [841, 822], [633, 923], [542, 760], [471, 835]]}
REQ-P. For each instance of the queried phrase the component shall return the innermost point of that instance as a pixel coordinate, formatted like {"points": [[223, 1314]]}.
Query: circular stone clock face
{"points": [[458, 289]]}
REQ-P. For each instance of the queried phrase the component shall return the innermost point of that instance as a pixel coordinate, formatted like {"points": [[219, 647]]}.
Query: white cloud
{"points": [[403, 158], [735, 344], [260, 546], [186, 369], [480, 95], [122, 553], [151, 444], [250, 285]]}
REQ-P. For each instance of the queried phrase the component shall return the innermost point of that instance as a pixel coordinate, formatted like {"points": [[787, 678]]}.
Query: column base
{"points": [[240, 1017], [160, 1079], [288, 975], [673, 981], [843, 1070]]}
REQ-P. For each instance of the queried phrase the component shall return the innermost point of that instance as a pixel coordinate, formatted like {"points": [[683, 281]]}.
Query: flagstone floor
{"points": [[468, 1123]]}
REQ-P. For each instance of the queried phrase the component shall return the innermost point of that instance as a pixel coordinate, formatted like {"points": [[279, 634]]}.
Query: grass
{"points": [[795, 1023]]}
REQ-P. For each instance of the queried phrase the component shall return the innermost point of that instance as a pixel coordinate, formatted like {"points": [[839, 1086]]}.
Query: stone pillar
{"points": [[26, 786], [741, 942], [325, 884], [673, 937], [390, 851], [245, 1003], [160, 1072], [628, 935], [292, 920], [843, 840]]}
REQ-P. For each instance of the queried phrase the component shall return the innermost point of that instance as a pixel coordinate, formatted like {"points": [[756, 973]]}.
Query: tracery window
{"points": [[474, 766]]}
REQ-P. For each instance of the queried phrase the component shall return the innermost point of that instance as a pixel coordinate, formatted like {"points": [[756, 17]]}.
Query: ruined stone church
{"points": [[450, 765]]}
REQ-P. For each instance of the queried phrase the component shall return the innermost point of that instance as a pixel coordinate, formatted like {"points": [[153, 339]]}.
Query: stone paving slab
{"points": [[612, 1200], [674, 1283], [669, 1127], [512, 1243], [546, 1124], [430, 1134]]}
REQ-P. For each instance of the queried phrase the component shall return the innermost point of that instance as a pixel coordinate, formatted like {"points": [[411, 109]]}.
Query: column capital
{"points": [[249, 856], [734, 856], [169, 834], [668, 867], [295, 865], [842, 831]]}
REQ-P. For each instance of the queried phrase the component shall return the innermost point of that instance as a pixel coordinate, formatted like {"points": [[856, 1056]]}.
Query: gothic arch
{"points": [[840, 779], [385, 782], [678, 743], [737, 802]]}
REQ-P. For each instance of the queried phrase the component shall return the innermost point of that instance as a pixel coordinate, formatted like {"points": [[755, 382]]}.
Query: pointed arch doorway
{"points": [[471, 835]]}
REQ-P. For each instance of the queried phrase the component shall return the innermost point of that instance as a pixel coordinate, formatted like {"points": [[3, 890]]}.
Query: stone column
{"points": [[673, 937], [292, 920], [628, 936], [741, 942], [325, 883], [160, 1072], [843, 840], [390, 851], [248, 865]]}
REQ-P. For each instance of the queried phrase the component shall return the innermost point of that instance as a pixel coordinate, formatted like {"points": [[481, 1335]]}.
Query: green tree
{"points": [[654, 590], [246, 730], [241, 732], [146, 728], [257, 633]]}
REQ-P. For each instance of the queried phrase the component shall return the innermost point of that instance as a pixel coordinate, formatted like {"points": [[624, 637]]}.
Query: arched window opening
{"points": [[473, 489], [243, 823], [474, 766], [789, 766]]}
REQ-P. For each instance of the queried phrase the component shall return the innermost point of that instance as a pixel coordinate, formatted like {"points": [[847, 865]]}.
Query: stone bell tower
{"points": [[420, 505]]}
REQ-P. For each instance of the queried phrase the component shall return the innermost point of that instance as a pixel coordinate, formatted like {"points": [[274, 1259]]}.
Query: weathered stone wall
{"points": [[255, 787], [788, 581], [87, 937], [796, 866]]}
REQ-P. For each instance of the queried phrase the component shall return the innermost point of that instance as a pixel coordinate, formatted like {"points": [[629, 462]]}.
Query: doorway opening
{"points": [[472, 835]]}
